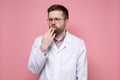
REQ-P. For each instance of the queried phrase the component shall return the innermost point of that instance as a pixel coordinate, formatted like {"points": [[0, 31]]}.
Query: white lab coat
{"points": [[69, 62]]}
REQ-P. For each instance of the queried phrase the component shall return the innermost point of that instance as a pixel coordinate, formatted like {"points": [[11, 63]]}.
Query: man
{"points": [[58, 55]]}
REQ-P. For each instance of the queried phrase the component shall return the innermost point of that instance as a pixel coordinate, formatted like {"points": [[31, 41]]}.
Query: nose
{"points": [[53, 21]]}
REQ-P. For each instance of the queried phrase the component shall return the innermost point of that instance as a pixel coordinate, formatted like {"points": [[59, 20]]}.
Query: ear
{"points": [[66, 20]]}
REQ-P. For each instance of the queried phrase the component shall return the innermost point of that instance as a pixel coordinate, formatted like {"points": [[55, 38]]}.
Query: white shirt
{"points": [[69, 62]]}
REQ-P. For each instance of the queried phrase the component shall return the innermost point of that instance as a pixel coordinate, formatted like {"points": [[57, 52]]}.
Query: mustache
{"points": [[53, 26]]}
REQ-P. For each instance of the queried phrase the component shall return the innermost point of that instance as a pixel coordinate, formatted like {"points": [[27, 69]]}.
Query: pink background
{"points": [[95, 21]]}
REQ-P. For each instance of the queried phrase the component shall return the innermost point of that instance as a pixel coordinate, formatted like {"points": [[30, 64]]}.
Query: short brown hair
{"points": [[61, 8]]}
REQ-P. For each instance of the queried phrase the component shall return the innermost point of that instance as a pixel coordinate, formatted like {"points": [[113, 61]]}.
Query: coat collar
{"points": [[67, 38], [66, 42]]}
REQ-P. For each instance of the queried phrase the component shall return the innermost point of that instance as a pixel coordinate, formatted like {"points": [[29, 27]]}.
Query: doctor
{"points": [[58, 54]]}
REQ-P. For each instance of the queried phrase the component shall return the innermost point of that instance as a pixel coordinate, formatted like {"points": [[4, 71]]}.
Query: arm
{"points": [[82, 64], [39, 51], [37, 58]]}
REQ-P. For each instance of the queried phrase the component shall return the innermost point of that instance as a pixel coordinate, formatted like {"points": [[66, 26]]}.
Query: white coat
{"points": [[69, 62]]}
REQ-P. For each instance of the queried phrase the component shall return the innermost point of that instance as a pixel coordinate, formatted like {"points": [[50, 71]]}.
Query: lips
{"points": [[54, 27]]}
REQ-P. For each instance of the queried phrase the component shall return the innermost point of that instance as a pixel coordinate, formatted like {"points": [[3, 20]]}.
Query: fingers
{"points": [[48, 38], [47, 33], [51, 32], [53, 36]]}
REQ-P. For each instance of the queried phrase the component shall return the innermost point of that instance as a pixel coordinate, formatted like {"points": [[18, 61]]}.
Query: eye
{"points": [[57, 19], [50, 19]]}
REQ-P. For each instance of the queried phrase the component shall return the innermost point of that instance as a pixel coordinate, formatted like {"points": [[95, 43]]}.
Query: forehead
{"points": [[55, 14]]}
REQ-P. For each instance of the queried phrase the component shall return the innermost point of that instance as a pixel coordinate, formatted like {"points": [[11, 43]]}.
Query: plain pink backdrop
{"points": [[95, 21]]}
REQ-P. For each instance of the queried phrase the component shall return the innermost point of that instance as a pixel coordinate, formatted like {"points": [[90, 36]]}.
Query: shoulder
{"points": [[75, 38], [37, 40], [76, 41]]}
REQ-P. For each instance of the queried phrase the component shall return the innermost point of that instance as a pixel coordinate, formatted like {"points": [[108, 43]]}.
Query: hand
{"points": [[47, 39]]}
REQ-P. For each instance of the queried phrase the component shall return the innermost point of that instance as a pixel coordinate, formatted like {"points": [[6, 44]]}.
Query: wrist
{"points": [[44, 50]]}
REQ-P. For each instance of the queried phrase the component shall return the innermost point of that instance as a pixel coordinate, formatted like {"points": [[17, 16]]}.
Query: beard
{"points": [[57, 30]]}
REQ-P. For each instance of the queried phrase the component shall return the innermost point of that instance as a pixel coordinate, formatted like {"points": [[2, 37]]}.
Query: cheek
{"points": [[62, 25], [50, 25]]}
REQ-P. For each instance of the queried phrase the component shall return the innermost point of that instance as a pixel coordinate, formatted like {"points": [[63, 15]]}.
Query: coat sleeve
{"points": [[82, 63], [37, 59]]}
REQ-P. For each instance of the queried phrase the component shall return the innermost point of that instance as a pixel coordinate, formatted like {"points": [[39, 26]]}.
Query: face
{"points": [[57, 21]]}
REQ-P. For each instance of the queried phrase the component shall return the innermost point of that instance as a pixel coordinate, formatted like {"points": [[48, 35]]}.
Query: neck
{"points": [[61, 36]]}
